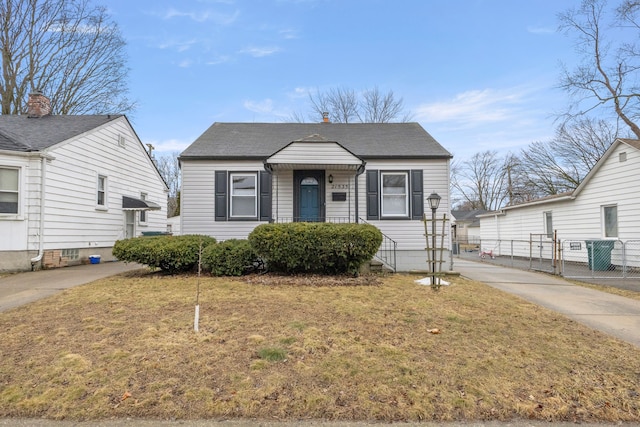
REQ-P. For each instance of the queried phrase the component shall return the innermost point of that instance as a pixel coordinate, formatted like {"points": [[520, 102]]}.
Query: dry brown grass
{"points": [[125, 347]]}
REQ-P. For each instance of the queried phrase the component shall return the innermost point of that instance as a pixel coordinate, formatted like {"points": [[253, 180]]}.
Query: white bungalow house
{"points": [[604, 206], [70, 186], [236, 176]]}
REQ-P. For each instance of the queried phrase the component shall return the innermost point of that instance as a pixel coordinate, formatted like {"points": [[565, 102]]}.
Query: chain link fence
{"points": [[607, 259], [578, 259]]}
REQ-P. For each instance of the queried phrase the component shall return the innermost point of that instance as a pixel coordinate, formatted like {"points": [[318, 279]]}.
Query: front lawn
{"points": [[386, 349]]}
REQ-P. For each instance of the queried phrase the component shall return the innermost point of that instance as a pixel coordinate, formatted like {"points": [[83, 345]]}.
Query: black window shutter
{"points": [[373, 210], [417, 201], [221, 195], [265, 196]]}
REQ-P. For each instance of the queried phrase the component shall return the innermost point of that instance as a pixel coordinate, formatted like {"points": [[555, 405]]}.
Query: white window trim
{"points": [[255, 195], [142, 215], [604, 222], [406, 215], [547, 232], [105, 206], [20, 191]]}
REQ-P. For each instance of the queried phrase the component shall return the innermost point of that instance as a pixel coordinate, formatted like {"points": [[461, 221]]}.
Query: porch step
{"points": [[375, 266]]}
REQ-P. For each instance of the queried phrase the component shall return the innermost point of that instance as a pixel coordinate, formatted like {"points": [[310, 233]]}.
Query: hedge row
{"points": [[173, 254], [311, 247], [288, 248]]}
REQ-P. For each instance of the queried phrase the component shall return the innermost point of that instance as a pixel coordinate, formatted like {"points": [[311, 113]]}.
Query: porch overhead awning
{"points": [[135, 204], [314, 152]]}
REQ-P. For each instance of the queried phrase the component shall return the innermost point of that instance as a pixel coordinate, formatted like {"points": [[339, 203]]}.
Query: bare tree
{"points": [[69, 50], [481, 182], [608, 75], [169, 167], [560, 165], [347, 106]]}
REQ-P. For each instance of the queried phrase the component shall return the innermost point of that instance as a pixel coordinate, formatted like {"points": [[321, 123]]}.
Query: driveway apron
{"points": [[22, 288]]}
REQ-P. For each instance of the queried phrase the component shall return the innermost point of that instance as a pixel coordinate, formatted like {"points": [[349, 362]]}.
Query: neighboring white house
{"points": [[173, 225], [604, 206], [236, 176], [466, 226], [70, 186]]}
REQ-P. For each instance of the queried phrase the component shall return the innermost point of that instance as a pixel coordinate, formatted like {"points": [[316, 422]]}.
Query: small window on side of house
{"points": [[610, 221], [9, 190], [122, 141], [548, 224], [623, 157], [143, 214], [101, 200]]}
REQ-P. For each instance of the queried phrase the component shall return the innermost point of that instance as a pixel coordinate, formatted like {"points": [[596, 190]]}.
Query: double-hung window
{"points": [[9, 193], [610, 221], [243, 195], [395, 194], [101, 200]]}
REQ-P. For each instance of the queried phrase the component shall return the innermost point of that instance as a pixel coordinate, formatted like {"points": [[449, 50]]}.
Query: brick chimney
{"points": [[325, 117], [38, 105]]}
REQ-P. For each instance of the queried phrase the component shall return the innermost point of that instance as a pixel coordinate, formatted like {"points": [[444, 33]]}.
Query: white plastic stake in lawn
{"points": [[196, 320]]}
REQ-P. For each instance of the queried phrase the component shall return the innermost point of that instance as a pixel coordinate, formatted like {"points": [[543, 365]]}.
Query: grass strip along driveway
{"points": [[307, 348]]}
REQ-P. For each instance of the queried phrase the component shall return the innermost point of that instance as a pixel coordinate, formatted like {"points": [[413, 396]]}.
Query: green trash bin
{"points": [[599, 252], [155, 233]]}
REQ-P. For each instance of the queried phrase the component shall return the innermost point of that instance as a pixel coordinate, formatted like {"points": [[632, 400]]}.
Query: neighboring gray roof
{"points": [[470, 217], [366, 140], [22, 133]]}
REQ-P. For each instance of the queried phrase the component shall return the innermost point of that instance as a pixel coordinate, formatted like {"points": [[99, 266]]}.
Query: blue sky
{"points": [[476, 74]]}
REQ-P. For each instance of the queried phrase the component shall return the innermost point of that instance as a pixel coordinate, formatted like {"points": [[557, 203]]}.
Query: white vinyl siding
{"points": [[243, 196], [409, 234], [197, 199], [395, 194], [584, 217], [71, 193], [9, 190]]}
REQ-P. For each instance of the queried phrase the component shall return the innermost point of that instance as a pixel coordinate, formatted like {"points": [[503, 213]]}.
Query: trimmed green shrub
{"points": [[173, 254], [311, 247], [232, 257]]}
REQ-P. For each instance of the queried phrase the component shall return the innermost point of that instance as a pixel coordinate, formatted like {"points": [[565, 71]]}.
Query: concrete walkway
{"points": [[22, 288], [612, 314]]}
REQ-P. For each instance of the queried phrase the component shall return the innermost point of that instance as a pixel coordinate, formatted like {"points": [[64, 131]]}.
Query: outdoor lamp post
{"points": [[434, 202]]}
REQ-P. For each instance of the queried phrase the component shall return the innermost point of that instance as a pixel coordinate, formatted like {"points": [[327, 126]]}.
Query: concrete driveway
{"points": [[615, 315], [22, 288]]}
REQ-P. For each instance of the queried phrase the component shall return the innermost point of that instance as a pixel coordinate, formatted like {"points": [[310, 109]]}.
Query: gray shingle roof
{"points": [[366, 140], [21, 133]]}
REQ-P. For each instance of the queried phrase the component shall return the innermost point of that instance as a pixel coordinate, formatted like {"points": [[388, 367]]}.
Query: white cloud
{"points": [[185, 63], [178, 45], [474, 107], [540, 30], [219, 60], [203, 16], [288, 34], [262, 107], [259, 52]]}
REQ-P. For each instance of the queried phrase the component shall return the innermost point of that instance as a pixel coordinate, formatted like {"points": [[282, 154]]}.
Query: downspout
{"points": [[359, 172], [43, 178]]}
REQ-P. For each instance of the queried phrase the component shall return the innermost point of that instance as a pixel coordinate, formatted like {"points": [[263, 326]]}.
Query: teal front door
{"points": [[309, 203], [308, 195]]}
